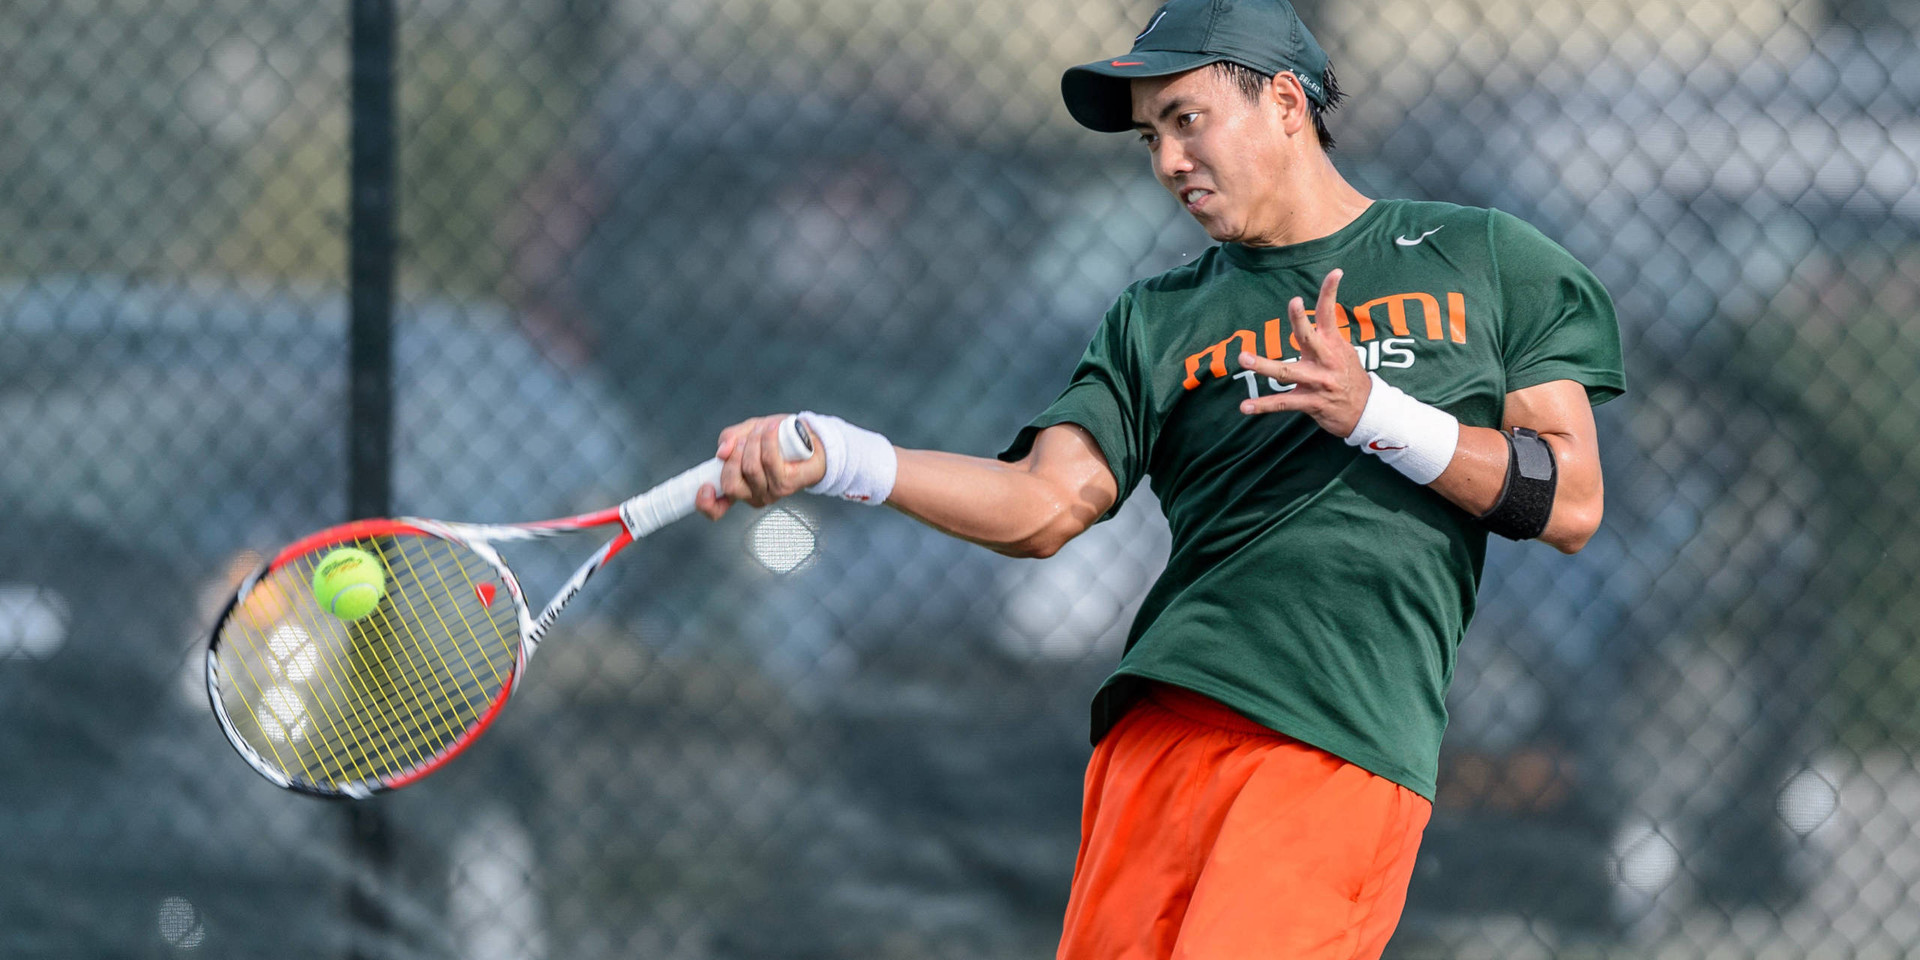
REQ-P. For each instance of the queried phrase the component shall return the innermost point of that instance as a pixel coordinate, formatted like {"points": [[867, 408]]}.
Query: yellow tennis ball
{"points": [[348, 583]]}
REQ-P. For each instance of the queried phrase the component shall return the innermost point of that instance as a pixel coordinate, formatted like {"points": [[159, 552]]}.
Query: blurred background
{"points": [[623, 224]]}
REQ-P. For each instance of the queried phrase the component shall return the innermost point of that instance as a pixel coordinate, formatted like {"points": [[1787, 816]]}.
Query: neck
{"points": [[1313, 202]]}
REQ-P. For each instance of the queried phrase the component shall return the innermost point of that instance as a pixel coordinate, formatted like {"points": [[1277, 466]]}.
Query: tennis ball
{"points": [[348, 583]]}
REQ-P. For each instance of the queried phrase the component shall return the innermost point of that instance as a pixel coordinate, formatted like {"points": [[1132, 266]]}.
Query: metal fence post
{"points": [[373, 205]]}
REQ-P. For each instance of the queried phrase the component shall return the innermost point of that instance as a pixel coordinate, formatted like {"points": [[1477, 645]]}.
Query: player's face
{"points": [[1220, 153]]}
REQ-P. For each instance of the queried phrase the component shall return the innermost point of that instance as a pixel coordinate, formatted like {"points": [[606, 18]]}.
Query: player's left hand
{"points": [[1329, 384]]}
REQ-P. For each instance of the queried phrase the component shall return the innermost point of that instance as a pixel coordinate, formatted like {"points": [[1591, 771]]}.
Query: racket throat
{"points": [[541, 624]]}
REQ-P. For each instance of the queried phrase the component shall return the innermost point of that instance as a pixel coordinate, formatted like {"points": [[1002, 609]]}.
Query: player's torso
{"points": [[1418, 301]]}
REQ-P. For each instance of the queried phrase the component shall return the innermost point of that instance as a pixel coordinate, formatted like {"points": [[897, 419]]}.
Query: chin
{"points": [[1220, 234], [1220, 230]]}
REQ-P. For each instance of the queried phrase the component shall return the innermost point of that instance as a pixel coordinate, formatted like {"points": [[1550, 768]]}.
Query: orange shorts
{"points": [[1208, 836]]}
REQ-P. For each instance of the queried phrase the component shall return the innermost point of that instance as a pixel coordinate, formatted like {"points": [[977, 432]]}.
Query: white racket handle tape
{"points": [[669, 501], [676, 497]]}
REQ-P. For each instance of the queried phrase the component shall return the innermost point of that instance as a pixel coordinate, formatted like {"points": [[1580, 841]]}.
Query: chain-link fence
{"points": [[623, 224]]}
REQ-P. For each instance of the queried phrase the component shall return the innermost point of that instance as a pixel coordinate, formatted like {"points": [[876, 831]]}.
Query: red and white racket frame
{"points": [[637, 517]]}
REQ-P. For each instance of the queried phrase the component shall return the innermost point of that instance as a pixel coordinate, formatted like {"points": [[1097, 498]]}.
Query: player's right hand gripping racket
{"points": [[349, 707]]}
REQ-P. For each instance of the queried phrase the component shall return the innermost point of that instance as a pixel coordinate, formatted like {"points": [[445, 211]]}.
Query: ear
{"points": [[1286, 95]]}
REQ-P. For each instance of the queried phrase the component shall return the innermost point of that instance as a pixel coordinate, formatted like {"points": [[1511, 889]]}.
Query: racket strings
{"points": [[334, 702]]}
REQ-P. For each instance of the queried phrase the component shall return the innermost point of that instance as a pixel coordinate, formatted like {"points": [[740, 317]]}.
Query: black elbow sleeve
{"points": [[1527, 499]]}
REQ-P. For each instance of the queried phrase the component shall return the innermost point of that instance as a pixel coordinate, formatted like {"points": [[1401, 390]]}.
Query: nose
{"points": [[1170, 160]]}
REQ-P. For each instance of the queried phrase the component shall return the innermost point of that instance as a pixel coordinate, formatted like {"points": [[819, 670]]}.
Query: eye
{"points": [[1187, 119], [1149, 138]]}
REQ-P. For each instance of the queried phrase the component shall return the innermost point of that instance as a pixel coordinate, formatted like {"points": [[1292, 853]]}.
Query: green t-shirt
{"points": [[1311, 587]]}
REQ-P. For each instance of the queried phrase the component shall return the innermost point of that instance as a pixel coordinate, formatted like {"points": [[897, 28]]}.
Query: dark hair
{"points": [[1253, 83]]}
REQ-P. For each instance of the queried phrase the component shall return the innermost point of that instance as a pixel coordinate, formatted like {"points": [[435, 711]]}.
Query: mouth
{"points": [[1195, 197]]}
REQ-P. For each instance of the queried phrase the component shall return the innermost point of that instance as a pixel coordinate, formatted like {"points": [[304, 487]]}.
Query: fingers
{"points": [[1303, 332], [785, 477], [754, 471], [1323, 333], [731, 487], [730, 437], [1327, 311], [773, 464], [1281, 403], [753, 467], [734, 484], [1286, 373], [708, 502], [1281, 370], [1326, 376]]}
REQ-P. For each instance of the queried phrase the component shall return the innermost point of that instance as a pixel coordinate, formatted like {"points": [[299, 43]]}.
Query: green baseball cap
{"points": [[1183, 34]]}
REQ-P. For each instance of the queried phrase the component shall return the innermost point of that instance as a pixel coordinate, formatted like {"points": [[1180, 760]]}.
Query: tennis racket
{"points": [[350, 707]]}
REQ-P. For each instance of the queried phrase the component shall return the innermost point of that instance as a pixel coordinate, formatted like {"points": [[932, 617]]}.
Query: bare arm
{"points": [[1333, 389], [1560, 413], [1030, 508]]}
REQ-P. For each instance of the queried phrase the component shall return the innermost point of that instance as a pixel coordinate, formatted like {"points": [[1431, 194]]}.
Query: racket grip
{"points": [[675, 498], [668, 501], [794, 442]]}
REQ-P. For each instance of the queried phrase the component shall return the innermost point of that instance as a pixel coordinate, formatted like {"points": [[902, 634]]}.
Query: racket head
{"points": [[348, 708]]}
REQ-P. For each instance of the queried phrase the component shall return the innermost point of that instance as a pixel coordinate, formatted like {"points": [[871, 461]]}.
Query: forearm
{"points": [[1025, 509], [1477, 473], [1005, 507]]}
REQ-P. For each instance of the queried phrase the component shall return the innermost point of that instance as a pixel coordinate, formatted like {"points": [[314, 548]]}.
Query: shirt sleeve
{"points": [[1558, 321], [1104, 397]]}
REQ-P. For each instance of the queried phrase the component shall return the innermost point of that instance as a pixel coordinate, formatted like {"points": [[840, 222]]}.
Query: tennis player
{"points": [[1335, 405]]}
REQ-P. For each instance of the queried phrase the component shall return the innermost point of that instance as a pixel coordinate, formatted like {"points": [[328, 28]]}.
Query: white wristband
{"points": [[1417, 439], [861, 464]]}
